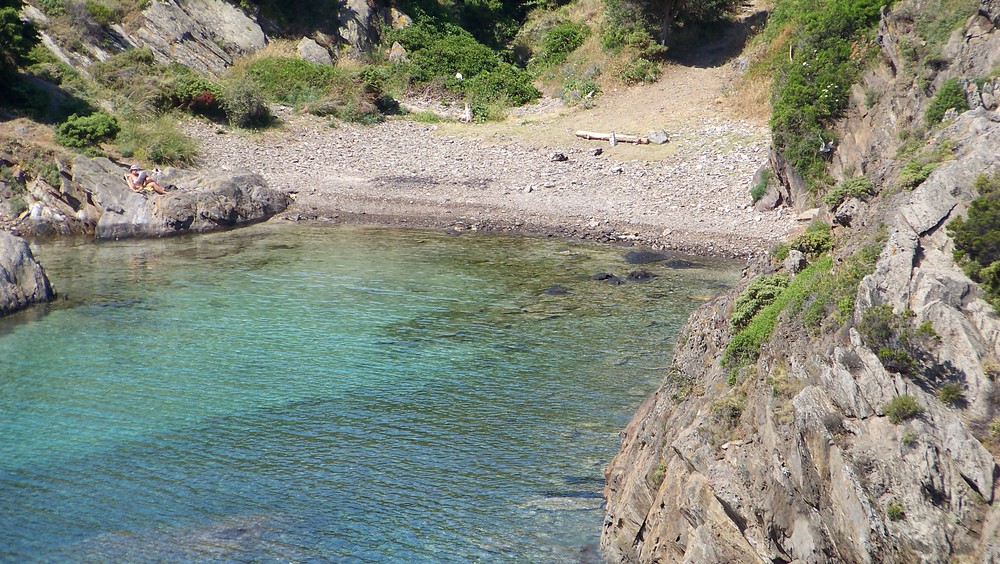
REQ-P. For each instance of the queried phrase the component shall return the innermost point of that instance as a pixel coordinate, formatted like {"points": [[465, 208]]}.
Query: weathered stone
{"points": [[396, 53], [22, 279], [216, 200], [658, 137], [794, 262], [846, 211], [313, 52]]}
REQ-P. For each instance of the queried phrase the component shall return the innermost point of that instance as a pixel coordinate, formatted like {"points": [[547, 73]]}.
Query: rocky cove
{"points": [[794, 459]]}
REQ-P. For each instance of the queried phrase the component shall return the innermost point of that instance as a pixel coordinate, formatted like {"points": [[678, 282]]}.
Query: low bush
{"points": [[857, 187], [835, 294], [977, 239], [102, 12], [952, 393], [831, 43], [951, 95], [894, 512], [902, 408], [817, 239], [81, 132], [761, 292], [290, 80], [560, 41], [890, 336], [244, 104]]}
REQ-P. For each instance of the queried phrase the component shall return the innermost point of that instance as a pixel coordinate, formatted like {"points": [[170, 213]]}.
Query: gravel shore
{"points": [[693, 198]]}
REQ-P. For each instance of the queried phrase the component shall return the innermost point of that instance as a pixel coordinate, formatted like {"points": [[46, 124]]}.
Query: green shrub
{"points": [[560, 41], [445, 52], [812, 88], [758, 190], [902, 408], [244, 103], [17, 206], [889, 335], [52, 7], [817, 239], [951, 95], [504, 82], [659, 474], [952, 393], [894, 512], [994, 427], [977, 238], [761, 292], [159, 140], [81, 132], [857, 187], [102, 13], [17, 38], [195, 93], [639, 70]]}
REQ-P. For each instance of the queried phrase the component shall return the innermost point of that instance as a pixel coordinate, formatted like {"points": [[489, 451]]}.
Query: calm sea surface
{"points": [[319, 393]]}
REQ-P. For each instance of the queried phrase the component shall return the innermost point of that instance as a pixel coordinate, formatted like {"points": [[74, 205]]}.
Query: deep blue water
{"points": [[320, 393]]}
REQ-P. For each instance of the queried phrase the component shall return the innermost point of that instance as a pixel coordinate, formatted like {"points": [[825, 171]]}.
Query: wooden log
{"points": [[613, 137]]}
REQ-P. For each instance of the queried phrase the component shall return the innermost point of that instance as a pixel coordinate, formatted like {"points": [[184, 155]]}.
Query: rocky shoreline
{"points": [[693, 200]]}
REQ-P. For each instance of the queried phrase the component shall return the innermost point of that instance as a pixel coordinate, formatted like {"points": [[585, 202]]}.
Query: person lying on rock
{"points": [[139, 181]]}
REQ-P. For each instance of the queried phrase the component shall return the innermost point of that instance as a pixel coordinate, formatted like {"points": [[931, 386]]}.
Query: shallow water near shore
{"points": [[311, 392]]}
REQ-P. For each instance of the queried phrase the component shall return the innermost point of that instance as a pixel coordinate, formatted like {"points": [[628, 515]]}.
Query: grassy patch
{"points": [[857, 187], [758, 190], [744, 348], [156, 139]]}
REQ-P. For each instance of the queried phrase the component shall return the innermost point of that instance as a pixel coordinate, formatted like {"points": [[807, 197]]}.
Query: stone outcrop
{"points": [[202, 34], [794, 459], [22, 279], [95, 199]]}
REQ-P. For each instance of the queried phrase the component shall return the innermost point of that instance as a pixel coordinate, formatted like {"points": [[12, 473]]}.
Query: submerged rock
{"points": [[22, 279], [644, 257]]}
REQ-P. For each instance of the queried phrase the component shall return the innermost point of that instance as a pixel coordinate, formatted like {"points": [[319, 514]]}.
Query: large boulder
{"points": [[22, 279], [200, 202]]}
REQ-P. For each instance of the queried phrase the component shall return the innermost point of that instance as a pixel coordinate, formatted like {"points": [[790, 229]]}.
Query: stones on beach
{"points": [[559, 158]]}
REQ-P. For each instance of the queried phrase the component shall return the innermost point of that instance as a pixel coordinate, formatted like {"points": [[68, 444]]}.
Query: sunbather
{"points": [[139, 181]]}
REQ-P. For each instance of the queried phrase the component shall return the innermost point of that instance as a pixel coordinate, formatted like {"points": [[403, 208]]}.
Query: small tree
{"points": [[17, 36]]}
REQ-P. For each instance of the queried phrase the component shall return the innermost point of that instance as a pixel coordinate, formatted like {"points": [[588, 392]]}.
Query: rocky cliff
{"points": [[794, 458], [22, 280], [208, 35]]}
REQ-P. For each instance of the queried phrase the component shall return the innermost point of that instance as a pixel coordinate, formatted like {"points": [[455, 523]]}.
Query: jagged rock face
{"points": [[202, 34], [201, 202], [809, 466], [22, 279]]}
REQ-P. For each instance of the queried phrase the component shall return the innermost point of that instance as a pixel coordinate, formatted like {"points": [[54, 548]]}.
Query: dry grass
{"points": [[750, 98]]}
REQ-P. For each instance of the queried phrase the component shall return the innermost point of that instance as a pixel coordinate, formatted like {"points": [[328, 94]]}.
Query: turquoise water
{"points": [[320, 393]]}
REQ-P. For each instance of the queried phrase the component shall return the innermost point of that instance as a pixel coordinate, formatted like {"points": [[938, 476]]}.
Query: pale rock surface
{"points": [[22, 279]]}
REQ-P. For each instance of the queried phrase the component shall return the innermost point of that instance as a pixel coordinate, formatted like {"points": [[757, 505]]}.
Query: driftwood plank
{"points": [[613, 138]]}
